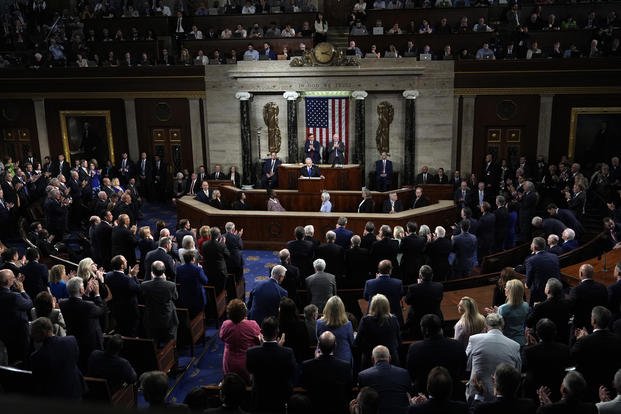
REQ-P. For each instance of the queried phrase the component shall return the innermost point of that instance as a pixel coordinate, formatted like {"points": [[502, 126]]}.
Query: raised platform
{"points": [[346, 177]]}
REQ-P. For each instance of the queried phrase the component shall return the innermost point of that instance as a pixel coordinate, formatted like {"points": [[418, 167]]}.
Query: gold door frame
{"points": [[573, 123], [65, 135]]}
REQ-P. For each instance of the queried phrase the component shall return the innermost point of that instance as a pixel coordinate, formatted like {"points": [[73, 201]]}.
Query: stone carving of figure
{"points": [[270, 117], [385, 112]]}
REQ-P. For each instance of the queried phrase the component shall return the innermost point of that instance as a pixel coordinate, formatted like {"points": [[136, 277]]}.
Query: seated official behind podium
{"points": [[336, 151], [204, 194], [312, 149], [367, 204], [309, 170]]}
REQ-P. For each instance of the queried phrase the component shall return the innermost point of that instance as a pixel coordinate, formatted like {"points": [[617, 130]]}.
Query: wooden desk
{"points": [[313, 185], [482, 295], [269, 230], [337, 178], [611, 258]]}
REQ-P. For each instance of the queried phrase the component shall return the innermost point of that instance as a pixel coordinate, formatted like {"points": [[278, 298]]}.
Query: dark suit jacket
{"points": [[569, 245], [420, 202], [435, 351], [507, 406], [568, 407], [57, 169], [597, 357], [215, 255], [292, 281], [465, 247], [438, 252], [163, 256], [202, 197], [366, 206], [35, 278], [191, 279], [412, 248], [423, 298], [332, 157], [539, 268], [553, 225], [123, 242], [435, 406], [272, 368], [485, 234], [584, 297], [160, 316], [569, 218], [431, 179], [55, 370], [235, 244], [461, 200], [302, 256], [101, 242], [14, 308], [328, 393], [357, 267], [373, 331], [343, 236], [314, 171], [113, 368], [558, 310], [82, 320], [501, 227], [383, 183], [391, 288], [332, 253], [391, 383], [387, 207], [614, 298], [385, 248], [124, 303], [264, 300], [312, 151], [545, 364]]}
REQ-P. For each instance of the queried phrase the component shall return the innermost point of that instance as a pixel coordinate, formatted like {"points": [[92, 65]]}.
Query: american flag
{"points": [[327, 116]]}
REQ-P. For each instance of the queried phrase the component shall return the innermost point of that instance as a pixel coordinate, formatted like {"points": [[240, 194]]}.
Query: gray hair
{"points": [[309, 230], [574, 383], [325, 196], [164, 241], [278, 271], [494, 321], [424, 230], [319, 265], [229, 226], [537, 221], [381, 353], [554, 286], [569, 234], [440, 232], [330, 235], [187, 242], [74, 285]]}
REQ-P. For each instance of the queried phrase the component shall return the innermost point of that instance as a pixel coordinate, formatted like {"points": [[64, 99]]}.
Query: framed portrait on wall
{"points": [[87, 135], [592, 134]]}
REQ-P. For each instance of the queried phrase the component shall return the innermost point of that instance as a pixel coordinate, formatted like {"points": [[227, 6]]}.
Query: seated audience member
{"points": [[366, 402], [269, 176], [367, 203], [216, 200], [596, 355], [190, 279], [154, 386], [379, 327], [321, 285], [393, 204], [272, 368], [240, 203], [507, 381], [232, 395], [555, 307], [204, 194], [569, 241], [471, 321], [546, 360], [335, 320], [420, 200], [328, 393], [293, 329], [44, 308], [392, 383], [585, 296], [553, 246], [54, 364], [326, 205], [514, 311], [572, 390], [607, 405], [390, 287], [238, 334], [439, 393], [273, 204], [107, 364], [159, 296]]}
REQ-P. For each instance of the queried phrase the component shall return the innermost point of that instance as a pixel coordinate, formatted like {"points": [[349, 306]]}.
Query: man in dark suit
{"points": [[162, 254], [507, 381], [393, 204], [569, 241], [357, 265], [125, 290], [585, 296], [235, 244], [490, 173], [145, 170], [553, 245], [190, 280], [35, 274], [123, 241], [423, 298], [328, 393], [302, 252], [391, 382], [272, 367], [412, 248], [54, 364], [15, 304], [485, 231], [321, 286], [540, 266], [217, 173], [56, 213], [463, 195], [265, 298], [420, 200], [82, 316], [568, 218], [465, 249], [215, 254], [555, 308], [482, 195], [343, 234], [309, 170], [107, 364], [232, 395], [597, 354], [309, 235], [159, 297], [526, 210], [366, 205], [336, 151], [368, 236], [438, 250], [312, 149], [548, 226], [292, 280], [204, 194], [439, 400], [425, 177], [160, 178], [124, 169], [501, 227], [436, 350], [614, 293], [385, 248], [102, 239], [383, 173], [390, 287], [269, 171], [61, 166], [572, 390], [332, 254]]}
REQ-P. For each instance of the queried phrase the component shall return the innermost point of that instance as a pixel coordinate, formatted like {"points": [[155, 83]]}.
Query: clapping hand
{"points": [[603, 394], [544, 395], [581, 333], [418, 399]]}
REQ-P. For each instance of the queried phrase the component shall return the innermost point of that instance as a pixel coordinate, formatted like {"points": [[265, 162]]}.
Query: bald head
{"points": [[327, 343], [6, 278]]}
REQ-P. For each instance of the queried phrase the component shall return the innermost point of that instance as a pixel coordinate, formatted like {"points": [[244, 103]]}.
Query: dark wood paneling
{"points": [[485, 115], [146, 120], [19, 113], [240, 45], [117, 115]]}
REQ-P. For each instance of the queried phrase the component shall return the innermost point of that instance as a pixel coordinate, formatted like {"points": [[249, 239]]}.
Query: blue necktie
{"points": [[308, 171]]}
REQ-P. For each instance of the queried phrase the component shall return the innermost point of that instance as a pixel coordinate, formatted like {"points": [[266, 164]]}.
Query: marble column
{"points": [[409, 155], [358, 155], [467, 135], [292, 125], [44, 143], [246, 137], [545, 125], [132, 129], [195, 132]]}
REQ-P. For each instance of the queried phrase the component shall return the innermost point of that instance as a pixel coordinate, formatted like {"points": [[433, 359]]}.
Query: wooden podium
{"points": [[342, 178], [314, 185]]}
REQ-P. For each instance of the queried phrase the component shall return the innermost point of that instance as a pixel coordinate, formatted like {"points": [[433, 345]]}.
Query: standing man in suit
{"points": [[144, 175], [383, 173], [35, 274], [159, 297], [463, 195], [366, 205], [123, 240], [312, 149], [328, 393], [162, 254], [392, 288], [125, 290], [486, 351], [15, 304], [555, 308], [272, 367], [485, 231], [357, 266], [56, 211], [490, 173], [302, 252], [465, 249], [585, 296], [309, 170], [425, 177], [568, 218], [540, 266], [336, 151], [423, 298], [61, 166], [160, 178], [124, 169], [235, 261], [343, 235], [82, 316], [215, 254], [501, 227], [506, 384], [332, 254], [412, 248], [264, 299], [191, 278], [614, 293], [292, 277], [436, 350], [54, 364], [419, 198], [385, 248], [393, 204], [320, 285], [391, 382], [527, 209], [269, 171]]}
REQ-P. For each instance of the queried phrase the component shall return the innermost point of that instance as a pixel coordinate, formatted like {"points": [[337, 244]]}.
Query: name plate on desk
{"points": [[311, 184]]}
